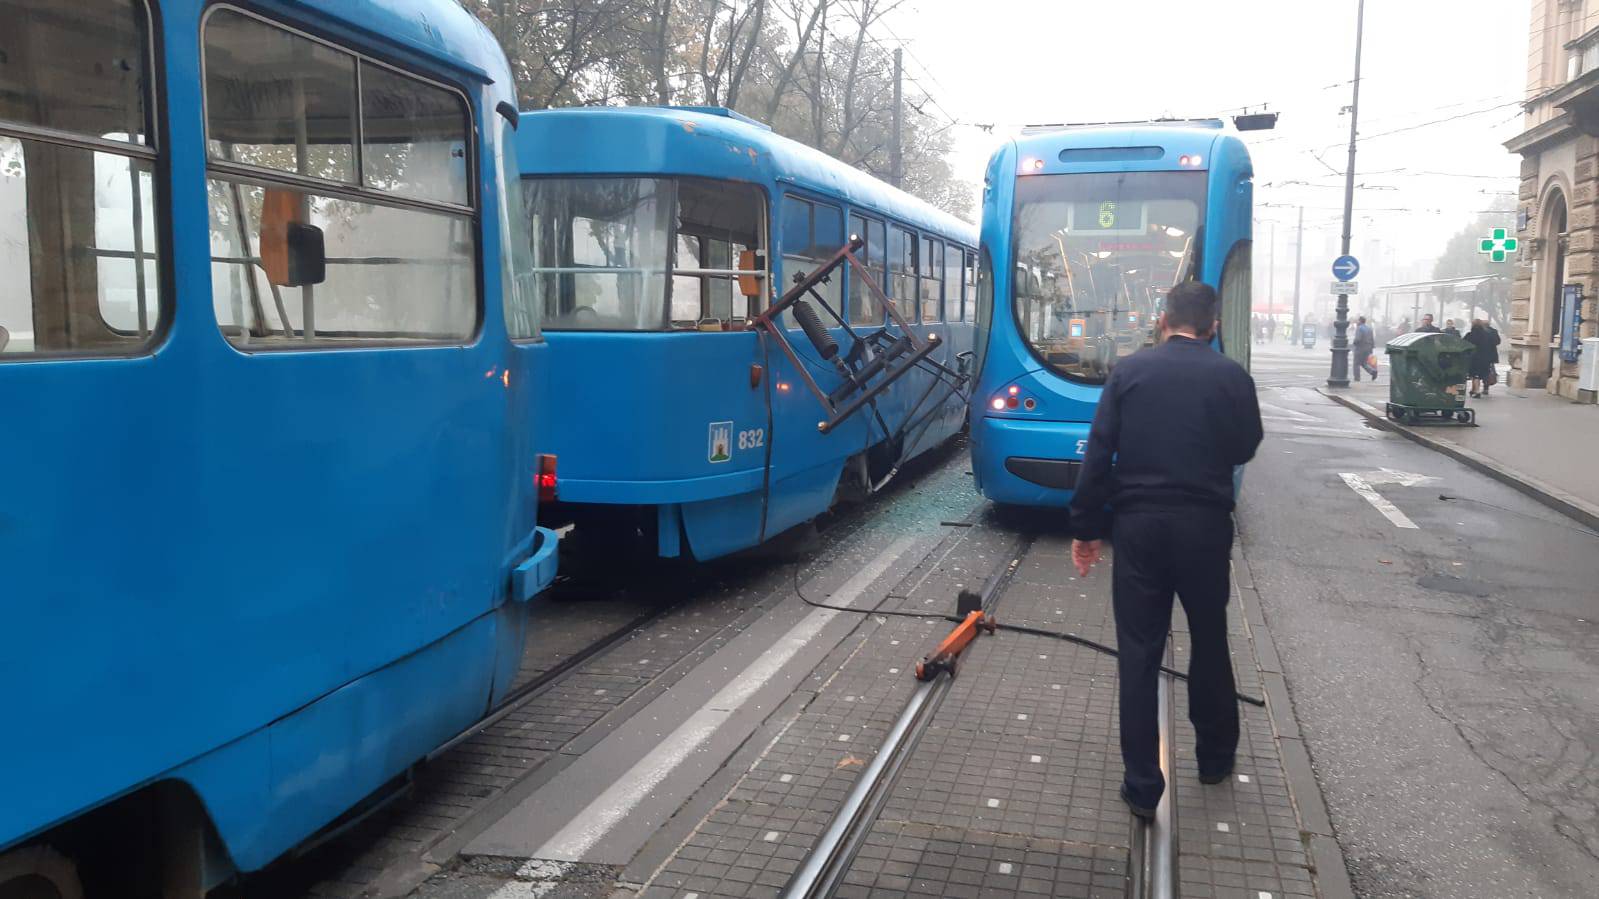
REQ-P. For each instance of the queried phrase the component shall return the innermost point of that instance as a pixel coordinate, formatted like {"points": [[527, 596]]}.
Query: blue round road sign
{"points": [[1345, 268]]}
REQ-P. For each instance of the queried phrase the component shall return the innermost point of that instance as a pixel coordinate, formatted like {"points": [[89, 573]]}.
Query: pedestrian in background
{"points": [[1427, 327], [1450, 329], [1365, 342], [1485, 355], [1172, 424]]}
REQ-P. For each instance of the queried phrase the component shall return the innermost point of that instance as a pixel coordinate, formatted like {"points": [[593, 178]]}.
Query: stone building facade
{"points": [[1559, 146]]}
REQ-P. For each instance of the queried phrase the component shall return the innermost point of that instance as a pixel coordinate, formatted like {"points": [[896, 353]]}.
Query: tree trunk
{"points": [[749, 53], [787, 75], [663, 88]]}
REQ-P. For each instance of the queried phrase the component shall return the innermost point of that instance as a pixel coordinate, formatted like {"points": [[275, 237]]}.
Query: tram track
{"points": [[824, 868], [1152, 844]]}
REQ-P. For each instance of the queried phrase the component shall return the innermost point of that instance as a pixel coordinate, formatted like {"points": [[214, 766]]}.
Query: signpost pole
{"points": [[1299, 251], [1339, 375]]}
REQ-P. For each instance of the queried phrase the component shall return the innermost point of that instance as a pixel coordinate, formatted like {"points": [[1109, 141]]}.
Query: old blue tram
{"points": [[1085, 229], [660, 237], [268, 516]]}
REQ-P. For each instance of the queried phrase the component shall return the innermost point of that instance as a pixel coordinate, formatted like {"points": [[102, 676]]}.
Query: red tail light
{"points": [[545, 479]]}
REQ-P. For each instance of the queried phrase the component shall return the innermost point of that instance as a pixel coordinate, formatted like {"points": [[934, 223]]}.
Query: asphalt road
{"points": [[1446, 675]]}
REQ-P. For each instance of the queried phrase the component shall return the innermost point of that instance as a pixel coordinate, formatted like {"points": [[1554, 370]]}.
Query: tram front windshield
{"points": [[1095, 255]]}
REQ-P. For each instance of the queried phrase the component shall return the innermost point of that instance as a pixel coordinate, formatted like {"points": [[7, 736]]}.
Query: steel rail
{"points": [[1153, 848], [825, 866]]}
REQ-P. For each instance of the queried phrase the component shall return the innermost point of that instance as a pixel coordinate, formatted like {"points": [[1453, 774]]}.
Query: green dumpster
{"points": [[1427, 377]]}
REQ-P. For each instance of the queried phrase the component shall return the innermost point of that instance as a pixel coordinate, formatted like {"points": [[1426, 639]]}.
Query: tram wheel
{"points": [[38, 872]]}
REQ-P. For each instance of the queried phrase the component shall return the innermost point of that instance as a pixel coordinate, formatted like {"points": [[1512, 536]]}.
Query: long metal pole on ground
{"points": [[895, 164], [1339, 375], [1299, 255]]}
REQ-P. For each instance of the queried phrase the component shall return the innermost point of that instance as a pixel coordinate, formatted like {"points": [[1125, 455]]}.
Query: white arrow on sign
{"points": [[1364, 484]]}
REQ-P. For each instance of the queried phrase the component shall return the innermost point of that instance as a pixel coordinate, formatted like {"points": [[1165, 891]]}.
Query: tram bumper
{"points": [[1028, 463], [537, 571]]}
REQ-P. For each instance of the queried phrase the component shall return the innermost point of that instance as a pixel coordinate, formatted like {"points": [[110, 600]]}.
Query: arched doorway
{"points": [[1544, 330]]}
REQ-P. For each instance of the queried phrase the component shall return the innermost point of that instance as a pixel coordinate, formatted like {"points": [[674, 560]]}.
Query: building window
{"points": [[334, 220], [79, 221]]}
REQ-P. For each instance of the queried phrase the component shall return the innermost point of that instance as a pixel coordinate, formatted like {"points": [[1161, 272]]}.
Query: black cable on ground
{"points": [[1015, 628], [1558, 524]]}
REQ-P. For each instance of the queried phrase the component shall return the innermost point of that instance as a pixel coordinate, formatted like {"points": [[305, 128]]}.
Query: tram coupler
{"points": [[944, 658]]}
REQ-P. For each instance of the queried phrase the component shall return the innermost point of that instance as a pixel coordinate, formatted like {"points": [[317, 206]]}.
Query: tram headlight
{"points": [[998, 404]]}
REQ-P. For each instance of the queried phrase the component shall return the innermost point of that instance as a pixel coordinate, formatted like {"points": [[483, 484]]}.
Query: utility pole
{"points": [[1271, 273], [896, 166], [1339, 375], [1299, 254]]}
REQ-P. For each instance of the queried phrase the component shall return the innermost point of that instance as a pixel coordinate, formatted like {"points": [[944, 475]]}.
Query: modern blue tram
{"points": [[1085, 229], [660, 236], [269, 517]]}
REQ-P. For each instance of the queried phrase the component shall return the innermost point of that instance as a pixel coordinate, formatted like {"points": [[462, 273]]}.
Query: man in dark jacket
{"points": [[1427, 327], [1173, 423]]}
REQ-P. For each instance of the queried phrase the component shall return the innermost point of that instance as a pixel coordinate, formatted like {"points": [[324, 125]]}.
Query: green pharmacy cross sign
{"points": [[1499, 246]]}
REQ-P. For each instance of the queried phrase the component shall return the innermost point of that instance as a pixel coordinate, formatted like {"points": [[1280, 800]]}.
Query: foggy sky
{"points": [[1009, 63]]}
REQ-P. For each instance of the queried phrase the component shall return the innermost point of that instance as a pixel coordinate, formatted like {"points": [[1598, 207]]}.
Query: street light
{"points": [[1339, 375]]}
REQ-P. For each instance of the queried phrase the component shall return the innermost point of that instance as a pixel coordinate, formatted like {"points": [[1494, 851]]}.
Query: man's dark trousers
{"points": [[1159, 552]]}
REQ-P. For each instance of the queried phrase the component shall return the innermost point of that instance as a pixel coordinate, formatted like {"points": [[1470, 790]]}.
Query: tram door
{"points": [[1229, 221]]}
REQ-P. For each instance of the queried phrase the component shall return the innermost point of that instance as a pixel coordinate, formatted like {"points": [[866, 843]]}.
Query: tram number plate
{"points": [[1082, 447], [752, 439]]}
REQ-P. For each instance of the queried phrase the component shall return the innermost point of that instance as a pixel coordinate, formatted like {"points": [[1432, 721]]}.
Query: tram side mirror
{"points": [[293, 252], [750, 261]]}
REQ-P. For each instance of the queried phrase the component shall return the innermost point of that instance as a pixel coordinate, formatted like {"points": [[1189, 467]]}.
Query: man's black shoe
{"points": [[1216, 777], [1142, 811]]}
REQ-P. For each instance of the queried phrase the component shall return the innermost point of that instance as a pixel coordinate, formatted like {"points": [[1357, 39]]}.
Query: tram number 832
{"points": [[752, 439]]}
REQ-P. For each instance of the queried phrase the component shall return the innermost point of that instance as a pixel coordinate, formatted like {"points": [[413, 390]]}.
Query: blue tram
{"points": [[659, 237], [1085, 229], [269, 517]]}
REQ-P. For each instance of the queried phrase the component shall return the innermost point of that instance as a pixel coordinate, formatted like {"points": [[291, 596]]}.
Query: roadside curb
{"points": [[1326, 856], [1581, 510]]}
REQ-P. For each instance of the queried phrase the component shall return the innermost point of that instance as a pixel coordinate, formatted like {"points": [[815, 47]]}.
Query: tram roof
{"points": [[1177, 137], [438, 29], [708, 142]]}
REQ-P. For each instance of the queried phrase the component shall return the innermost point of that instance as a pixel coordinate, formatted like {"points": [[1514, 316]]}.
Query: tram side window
{"points": [[601, 251], [812, 233], [522, 311], [932, 280], [864, 307], [386, 249], [718, 229], [983, 296], [952, 282], [902, 272], [79, 254], [969, 278]]}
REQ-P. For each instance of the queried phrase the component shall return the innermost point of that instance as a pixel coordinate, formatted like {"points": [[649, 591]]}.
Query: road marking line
{"points": [[589, 826], [542, 876], [1335, 432], [1378, 502], [1285, 414]]}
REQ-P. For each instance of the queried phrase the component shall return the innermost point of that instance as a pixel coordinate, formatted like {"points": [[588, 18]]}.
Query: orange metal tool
{"points": [[943, 658]]}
